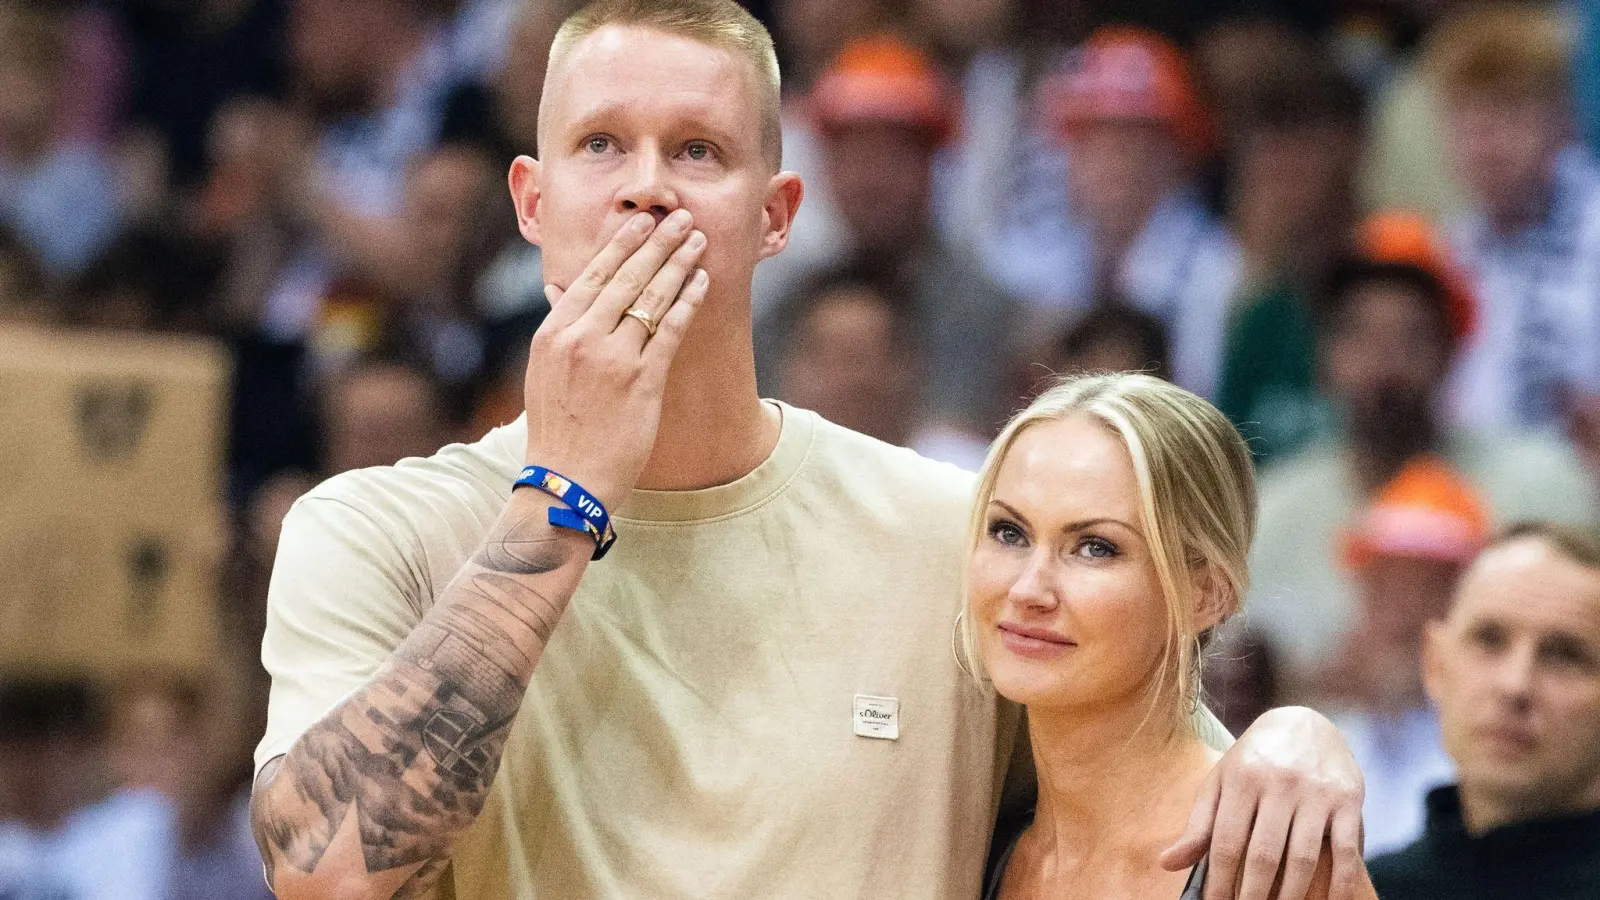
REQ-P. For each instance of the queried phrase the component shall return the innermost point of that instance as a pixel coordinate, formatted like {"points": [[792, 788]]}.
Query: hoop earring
{"points": [[1196, 685], [957, 651]]}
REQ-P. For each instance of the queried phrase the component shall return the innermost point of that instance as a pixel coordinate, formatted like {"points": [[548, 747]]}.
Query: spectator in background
{"points": [[1394, 314], [373, 77], [1295, 141], [379, 413], [1136, 132], [1531, 238], [60, 837], [1514, 670], [810, 33], [180, 738], [881, 111], [58, 192], [189, 59], [1405, 553], [1113, 337], [855, 356]]}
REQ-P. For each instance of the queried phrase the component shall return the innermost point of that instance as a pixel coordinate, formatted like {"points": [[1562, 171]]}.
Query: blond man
{"points": [[754, 695]]}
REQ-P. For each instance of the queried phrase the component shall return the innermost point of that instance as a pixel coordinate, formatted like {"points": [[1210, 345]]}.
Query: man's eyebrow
{"points": [[689, 124]]}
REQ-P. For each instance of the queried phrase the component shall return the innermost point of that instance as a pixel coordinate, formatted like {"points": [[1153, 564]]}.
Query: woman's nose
{"points": [[1035, 587]]}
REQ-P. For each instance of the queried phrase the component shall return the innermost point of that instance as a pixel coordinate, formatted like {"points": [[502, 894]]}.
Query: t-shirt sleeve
{"points": [[343, 596]]}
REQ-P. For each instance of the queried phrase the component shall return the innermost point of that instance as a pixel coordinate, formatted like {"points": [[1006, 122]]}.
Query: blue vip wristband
{"points": [[582, 512]]}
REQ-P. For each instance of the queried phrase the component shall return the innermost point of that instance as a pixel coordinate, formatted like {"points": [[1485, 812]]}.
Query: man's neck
{"points": [[714, 428], [1483, 811], [1112, 781]]}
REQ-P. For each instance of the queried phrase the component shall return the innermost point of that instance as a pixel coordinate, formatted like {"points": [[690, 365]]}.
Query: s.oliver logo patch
{"points": [[877, 717]]}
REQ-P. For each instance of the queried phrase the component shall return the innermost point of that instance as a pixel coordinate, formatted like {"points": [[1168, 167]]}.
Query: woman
{"points": [[1113, 520]]}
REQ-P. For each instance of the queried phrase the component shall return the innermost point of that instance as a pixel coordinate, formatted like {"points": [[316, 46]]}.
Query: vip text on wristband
{"points": [[582, 513]]}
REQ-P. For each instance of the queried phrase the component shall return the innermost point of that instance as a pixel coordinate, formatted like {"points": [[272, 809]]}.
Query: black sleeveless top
{"points": [[1006, 837]]}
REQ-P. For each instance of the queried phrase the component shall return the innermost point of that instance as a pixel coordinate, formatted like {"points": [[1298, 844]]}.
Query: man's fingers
{"points": [[1230, 837], [1192, 844], [666, 287], [658, 351], [1268, 838], [1349, 871], [636, 272], [583, 292], [1305, 851]]}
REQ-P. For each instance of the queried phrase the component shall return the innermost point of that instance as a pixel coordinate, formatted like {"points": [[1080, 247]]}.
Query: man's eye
{"points": [[598, 144], [1487, 638], [698, 150]]}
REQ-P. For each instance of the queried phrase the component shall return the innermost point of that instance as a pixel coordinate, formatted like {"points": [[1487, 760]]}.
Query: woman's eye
{"points": [[1008, 534], [1096, 548], [598, 144]]}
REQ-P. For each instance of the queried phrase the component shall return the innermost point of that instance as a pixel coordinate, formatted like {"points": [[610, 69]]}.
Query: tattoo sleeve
{"points": [[406, 762]]}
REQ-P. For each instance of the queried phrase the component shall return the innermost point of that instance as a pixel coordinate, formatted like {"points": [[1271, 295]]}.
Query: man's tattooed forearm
{"points": [[413, 754], [523, 550]]}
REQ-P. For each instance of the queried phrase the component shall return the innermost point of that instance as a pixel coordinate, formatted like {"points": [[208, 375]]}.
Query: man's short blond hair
{"points": [[1502, 48], [716, 23]]}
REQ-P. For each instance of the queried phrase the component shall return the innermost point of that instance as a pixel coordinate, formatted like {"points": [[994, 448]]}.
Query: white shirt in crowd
{"points": [[1402, 758], [1538, 296]]}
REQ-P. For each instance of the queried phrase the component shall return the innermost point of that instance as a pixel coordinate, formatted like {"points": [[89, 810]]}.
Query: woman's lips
{"points": [[1034, 643]]}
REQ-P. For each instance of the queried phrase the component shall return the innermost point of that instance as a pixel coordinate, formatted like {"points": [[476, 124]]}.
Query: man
{"points": [[1515, 672], [1531, 239], [1405, 553], [1136, 130], [1395, 314], [754, 696], [881, 112]]}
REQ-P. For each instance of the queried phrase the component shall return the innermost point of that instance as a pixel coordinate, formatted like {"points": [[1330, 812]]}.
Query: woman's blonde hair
{"points": [[1197, 499]]}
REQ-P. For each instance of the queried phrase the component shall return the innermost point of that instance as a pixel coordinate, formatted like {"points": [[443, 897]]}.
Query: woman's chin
{"points": [[1026, 682]]}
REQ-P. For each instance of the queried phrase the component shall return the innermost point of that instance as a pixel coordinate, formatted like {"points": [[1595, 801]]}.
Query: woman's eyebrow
{"points": [[1070, 526], [1085, 524]]}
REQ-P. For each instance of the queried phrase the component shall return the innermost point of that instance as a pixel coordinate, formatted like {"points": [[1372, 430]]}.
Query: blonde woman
{"points": [[1113, 520]]}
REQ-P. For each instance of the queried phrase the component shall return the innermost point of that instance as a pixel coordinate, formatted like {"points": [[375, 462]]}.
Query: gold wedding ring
{"points": [[642, 316]]}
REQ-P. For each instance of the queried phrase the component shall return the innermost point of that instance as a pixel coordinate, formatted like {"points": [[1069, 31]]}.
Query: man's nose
{"points": [[1514, 674], [647, 187]]}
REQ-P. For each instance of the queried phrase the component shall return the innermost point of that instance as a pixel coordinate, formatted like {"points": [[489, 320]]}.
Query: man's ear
{"points": [[784, 193], [1434, 635], [524, 181]]}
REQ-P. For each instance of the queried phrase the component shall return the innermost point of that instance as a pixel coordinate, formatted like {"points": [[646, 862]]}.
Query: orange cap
{"points": [[1126, 73], [1395, 238], [884, 79], [1427, 511]]}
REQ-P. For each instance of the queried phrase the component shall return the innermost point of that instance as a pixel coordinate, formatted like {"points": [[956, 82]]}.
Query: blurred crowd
{"points": [[1369, 231]]}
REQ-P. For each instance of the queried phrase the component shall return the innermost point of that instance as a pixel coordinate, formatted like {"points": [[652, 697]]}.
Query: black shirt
{"points": [[1545, 859]]}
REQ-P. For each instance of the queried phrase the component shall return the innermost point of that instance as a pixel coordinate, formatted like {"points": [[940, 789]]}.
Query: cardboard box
{"points": [[111, 505]]}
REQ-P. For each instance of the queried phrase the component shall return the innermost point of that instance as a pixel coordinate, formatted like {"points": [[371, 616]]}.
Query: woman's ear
{"points": [[1214, 600]]}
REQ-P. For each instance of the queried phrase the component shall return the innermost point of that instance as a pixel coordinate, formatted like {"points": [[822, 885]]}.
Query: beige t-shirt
{"points": [[692, 729]]}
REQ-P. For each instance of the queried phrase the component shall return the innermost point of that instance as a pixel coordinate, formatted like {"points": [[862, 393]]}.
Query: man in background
{"points": [[1405, 553], [1515, 672], [1392, 319], [1531, 237]]}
